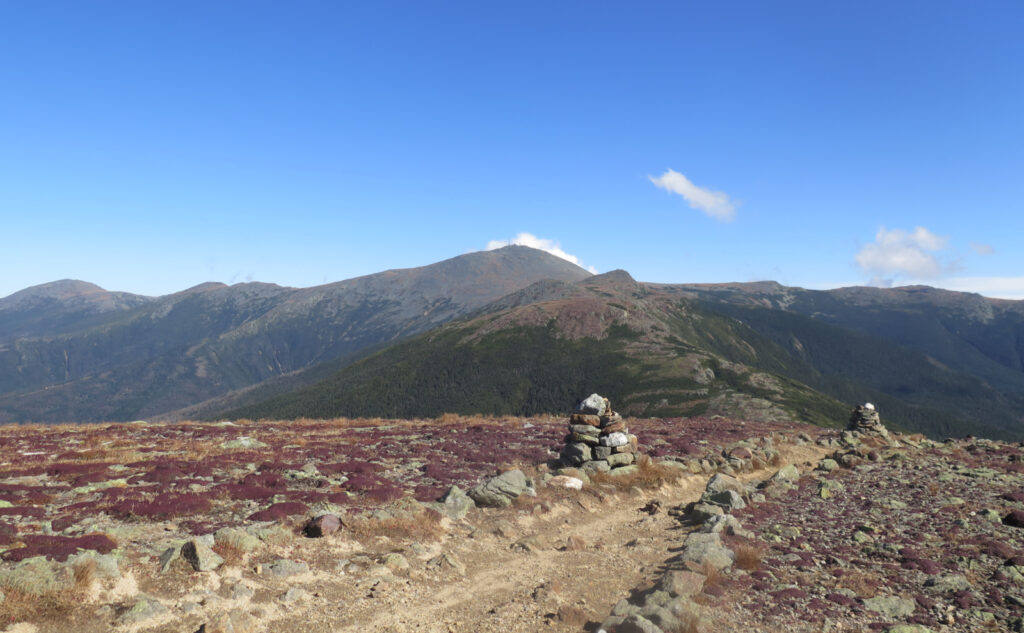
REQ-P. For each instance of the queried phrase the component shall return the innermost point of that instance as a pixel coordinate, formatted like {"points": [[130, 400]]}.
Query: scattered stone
{"points": [[395, 562], [234, 621], [787, 473], [294, 594], [322, 526], [243, 443], [283, 568], [563, 481], [200, 556], [891, 606], [143, 609], [447, 561], [682, 583], [454, 504]]}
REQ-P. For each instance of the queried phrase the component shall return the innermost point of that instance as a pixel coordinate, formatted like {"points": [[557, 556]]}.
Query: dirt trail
{"points": [[521, 573]]}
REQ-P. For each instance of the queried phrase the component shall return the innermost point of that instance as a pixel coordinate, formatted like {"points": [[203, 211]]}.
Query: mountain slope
{"points": [[534, 350], [144, 357], [741, 350]]}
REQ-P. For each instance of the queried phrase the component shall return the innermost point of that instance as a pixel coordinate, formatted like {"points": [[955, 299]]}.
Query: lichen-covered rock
{"points": [[498, 492], [682, 583], [283, 568], [454, 504], [707, 548], [200, 556]]}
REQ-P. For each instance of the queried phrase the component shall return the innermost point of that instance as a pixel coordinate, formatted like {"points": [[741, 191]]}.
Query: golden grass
{"points": [[425, 526], [649, 475]]}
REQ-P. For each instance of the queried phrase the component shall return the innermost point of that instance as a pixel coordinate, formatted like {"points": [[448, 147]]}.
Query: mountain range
{"points": [[514, 331]]}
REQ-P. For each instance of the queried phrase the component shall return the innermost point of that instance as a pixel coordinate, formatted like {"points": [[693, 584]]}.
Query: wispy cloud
{"points": [[714, 204], [899, 253], [540, 243], [983, 249]]}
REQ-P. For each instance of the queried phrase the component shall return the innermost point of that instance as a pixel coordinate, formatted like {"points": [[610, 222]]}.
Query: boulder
{"points": [[322, 526], [499, 491], [455, 504], [720, 482], [704, 548], [682, 583]]}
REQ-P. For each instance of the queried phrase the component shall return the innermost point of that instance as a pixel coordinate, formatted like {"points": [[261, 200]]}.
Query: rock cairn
{"points": [[864, 419], [598, 440]]}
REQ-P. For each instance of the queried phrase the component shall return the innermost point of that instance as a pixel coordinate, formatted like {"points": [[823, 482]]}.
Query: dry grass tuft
{"points": [[84, 573], [422, 527], [748, 557], [233, 555], [648, 476]]}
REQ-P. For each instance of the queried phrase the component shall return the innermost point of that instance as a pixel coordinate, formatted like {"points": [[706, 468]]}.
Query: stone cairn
{"points": [[864, 419], [598, 440]]}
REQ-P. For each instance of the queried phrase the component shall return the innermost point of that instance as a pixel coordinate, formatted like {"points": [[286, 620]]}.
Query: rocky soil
{"points": [[200, 527]]}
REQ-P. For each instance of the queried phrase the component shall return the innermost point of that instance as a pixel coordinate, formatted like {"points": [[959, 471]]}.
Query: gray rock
{"points": [[294, 594], [707, 548], [143, 609], [447, 561], [638, 624], [576, 453], [283, 568], [614, 439], [828, 465], [456, 504], [720, 483], [592, 405], [660, 617], [787, 473], [596, 466], [620, 459], [726, 523], [238, 539], [200, 556], [499, 491], [168, 557], [701, 512], [622, 471], [891, 606], [602, 452], [951, 582], [585, 429], [682, 583], [395, 562], [728, 499]]}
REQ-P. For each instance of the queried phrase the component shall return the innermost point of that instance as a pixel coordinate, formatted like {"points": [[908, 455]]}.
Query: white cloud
{"points": [[898, 253], [983, 249], [714, 204], [540, 243]]}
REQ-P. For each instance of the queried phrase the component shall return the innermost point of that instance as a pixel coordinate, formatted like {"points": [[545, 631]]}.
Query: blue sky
{"points": [[152, 146]]}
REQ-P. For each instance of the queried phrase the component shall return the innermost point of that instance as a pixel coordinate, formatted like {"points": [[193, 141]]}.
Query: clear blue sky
{"points": [[152, 146]]}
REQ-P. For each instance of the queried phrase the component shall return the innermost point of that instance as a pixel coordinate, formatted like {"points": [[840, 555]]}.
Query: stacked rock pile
{"points": [[598, 440], [864, 419]]}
